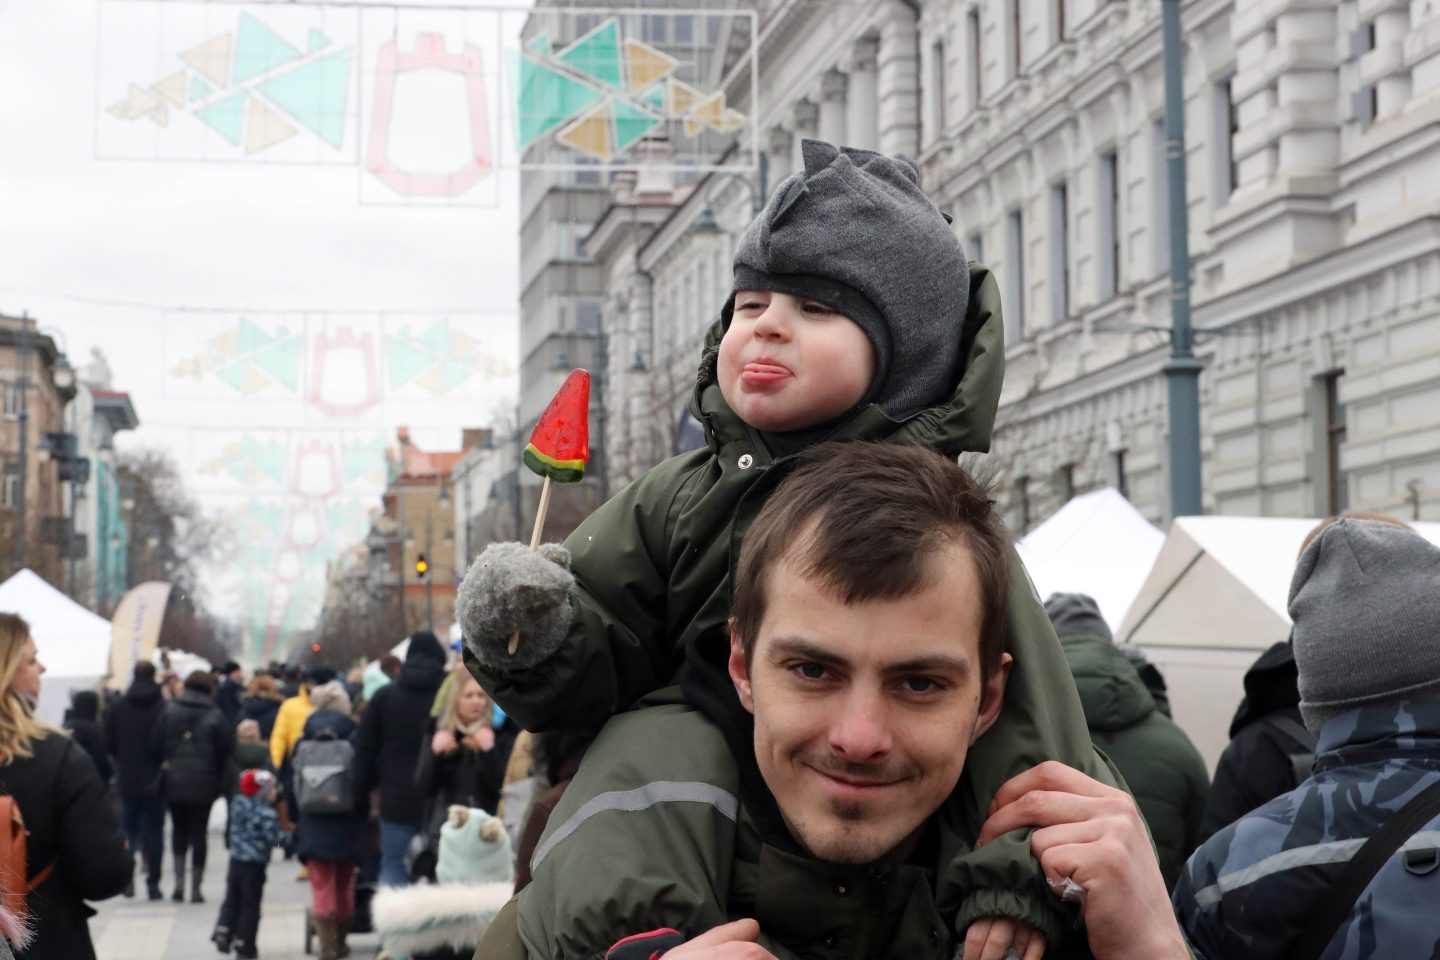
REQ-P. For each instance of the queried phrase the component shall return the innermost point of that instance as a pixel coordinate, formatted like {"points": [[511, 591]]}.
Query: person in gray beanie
{"points": [[1365, 600], [1285, 880], [854, 317]]}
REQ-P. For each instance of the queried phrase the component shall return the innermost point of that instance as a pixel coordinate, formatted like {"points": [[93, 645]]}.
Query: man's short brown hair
{"points": [[864, 521]]}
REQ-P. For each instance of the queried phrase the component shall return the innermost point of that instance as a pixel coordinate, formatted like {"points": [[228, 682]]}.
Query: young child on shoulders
{"points": [[855, 317]]}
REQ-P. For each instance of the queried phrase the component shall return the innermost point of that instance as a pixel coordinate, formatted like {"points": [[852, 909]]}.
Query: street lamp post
{"points": [[1182, 371]]}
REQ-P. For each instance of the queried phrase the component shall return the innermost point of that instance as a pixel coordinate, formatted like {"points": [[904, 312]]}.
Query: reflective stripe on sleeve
{"points": [[633, 801]]}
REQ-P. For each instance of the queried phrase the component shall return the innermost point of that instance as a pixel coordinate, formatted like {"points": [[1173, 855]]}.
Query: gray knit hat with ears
{"points": [[853, 231], [1365, 599]]}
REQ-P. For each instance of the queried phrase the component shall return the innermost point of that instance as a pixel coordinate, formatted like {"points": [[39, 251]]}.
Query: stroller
{"points": [[476, 876]]}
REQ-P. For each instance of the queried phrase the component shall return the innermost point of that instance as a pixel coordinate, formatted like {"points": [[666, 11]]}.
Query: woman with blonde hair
{"points": [[463, 761], [74, 851]]}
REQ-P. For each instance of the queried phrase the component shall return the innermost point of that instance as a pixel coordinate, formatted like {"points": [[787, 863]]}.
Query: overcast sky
{"points": [[151, 259]]}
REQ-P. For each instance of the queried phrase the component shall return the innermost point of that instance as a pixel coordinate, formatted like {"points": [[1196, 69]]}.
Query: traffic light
{"points": [[422, 568], [314, 648]]}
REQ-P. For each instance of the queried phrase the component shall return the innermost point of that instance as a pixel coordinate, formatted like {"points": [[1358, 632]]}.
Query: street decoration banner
{"points": [[135, 630]]}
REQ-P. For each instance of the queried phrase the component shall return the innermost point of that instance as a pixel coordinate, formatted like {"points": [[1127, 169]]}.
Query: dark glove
{"points": [[645, 946]]}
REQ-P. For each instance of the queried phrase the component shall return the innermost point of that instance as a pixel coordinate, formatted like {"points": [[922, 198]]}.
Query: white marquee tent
{"points": [[1215, 599], [73, 643], [1096, 544]]}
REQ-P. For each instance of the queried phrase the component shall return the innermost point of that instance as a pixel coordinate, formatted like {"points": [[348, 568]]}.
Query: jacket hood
{"points": [[85, 705], [1077, 615], [194, 699], [424, 667], [1272, 683], [1111, 691], [142, 693], [962, 422]]}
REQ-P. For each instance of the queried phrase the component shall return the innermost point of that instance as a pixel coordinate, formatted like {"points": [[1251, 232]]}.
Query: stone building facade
{"points": [[1314, 210]]}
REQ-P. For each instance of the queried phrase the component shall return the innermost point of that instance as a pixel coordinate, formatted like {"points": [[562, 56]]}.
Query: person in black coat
{"points": [[83, 722], [130, 739], [194, 742], [387, 749], [229, 691], [1268, 745], [73, 842], [463, 760], [261, 703], [331, 844]]}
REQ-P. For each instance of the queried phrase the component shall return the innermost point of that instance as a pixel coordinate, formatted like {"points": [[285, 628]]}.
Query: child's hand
{"points": [[1001, 938], [512, 589]]}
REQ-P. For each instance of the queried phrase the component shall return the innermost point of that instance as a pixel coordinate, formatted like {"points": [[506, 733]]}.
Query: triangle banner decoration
{"points": [[199, 89], [406, 361], [316, 41], [139, 103], [315, 94], [172, 88], [258, 49], [546, 99], [693, 126], [541, 44], [211, 59], [225, 116], [597, 54], [712, 111], [631, 124], [249, 337], [282, 362], [682, 97], [732, 121], [656, 97], [455, 375], [437, 338], [591, 134], [265, 128], [644, 65]]}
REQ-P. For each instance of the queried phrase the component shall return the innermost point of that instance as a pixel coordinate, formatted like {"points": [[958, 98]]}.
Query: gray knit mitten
{"points": [[511, 588]]}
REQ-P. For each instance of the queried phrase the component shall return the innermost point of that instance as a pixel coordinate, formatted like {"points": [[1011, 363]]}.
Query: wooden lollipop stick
{"points": [[535, 542]]}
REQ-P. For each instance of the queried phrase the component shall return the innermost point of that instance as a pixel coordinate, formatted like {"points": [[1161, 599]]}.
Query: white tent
{"points": [[73, 643], [1215, 599], [1096, 544]]}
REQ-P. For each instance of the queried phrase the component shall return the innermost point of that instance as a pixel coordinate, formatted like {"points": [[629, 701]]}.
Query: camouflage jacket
{"points": [[1250, 890]]}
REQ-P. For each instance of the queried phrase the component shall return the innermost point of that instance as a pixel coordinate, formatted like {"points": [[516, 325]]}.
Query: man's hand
{"points": [[990, 938], [731, 941], [1092, 835]]}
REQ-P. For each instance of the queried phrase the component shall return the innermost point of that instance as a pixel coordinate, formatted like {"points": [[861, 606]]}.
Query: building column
{"points": [[779, 154], [899, 81], [833, 87], [862, 98], [805, 117]]}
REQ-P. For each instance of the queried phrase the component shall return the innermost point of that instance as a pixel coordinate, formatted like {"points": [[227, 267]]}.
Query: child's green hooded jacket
{"points": [[652, 568]]}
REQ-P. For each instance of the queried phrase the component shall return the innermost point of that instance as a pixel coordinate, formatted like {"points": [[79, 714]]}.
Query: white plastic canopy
{"points": [[73, 644], [1214, 600], [1096, 544]]}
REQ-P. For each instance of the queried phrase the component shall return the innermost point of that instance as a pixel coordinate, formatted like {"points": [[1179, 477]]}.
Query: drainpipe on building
{"points": [[1182, 370], [21, 536]]}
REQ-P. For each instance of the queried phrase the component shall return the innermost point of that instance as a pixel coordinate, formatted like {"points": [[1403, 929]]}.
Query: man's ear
{"points": [[992, 698], [739, 671]]}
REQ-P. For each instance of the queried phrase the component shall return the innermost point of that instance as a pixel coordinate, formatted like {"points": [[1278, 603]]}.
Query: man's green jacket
{"points": [[653, 565]]}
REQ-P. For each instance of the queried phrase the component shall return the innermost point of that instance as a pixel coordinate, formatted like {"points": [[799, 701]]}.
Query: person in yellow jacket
{"points": [[290, 721]]}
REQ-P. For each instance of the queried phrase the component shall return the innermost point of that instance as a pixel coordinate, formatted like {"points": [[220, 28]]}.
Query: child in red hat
{"points": [[254, 832]]}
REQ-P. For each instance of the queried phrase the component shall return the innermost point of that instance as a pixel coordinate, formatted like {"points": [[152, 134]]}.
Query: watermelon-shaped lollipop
{"points": [[560, 444], [559, 447]]}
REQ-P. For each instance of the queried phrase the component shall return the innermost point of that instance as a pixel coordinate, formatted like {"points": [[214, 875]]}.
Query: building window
{"points": [[975, 246], [1122, 480], [587, 314], [1015, 267], [684, 29], [938, 92], [977, 62], [1109, 224], [1227, 124], [1022, 499], [1160, 198], [1065, 482], [1016, 38], [11, 398], [1337, 491], [1059, 253], [10, 485]]}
